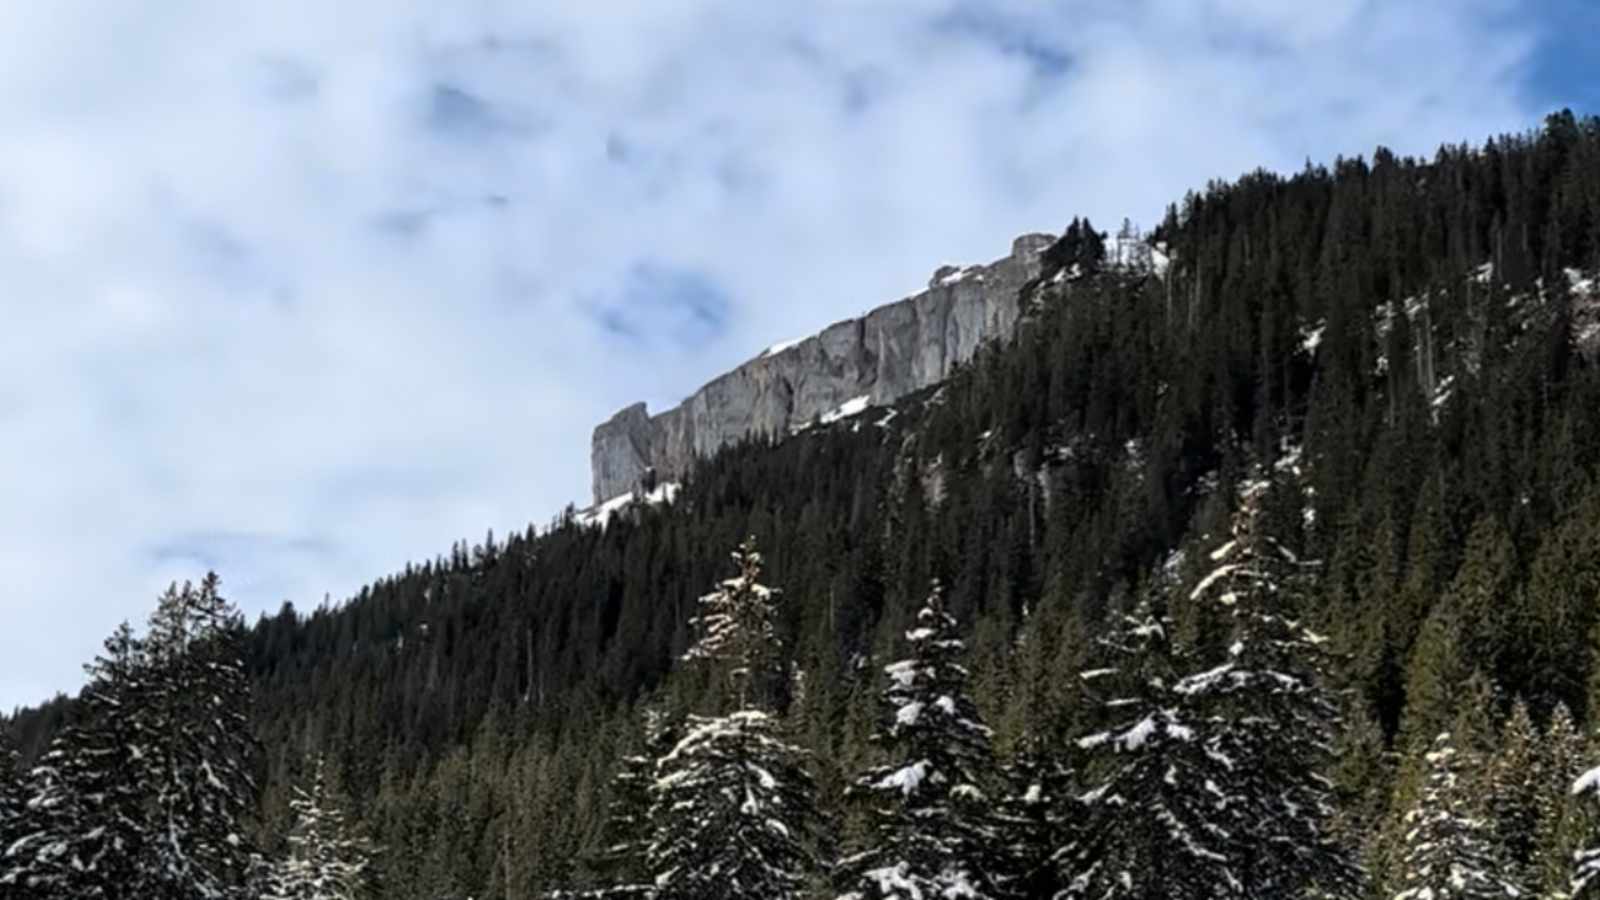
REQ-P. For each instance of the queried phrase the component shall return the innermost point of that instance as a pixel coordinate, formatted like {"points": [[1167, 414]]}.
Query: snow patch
{"points": [[1289, 461], [1210, 579], [1588, 782], [1442, 393], [1311, 338], [855, 406], [1580, 283], [781, 346], [600, 515], [1160, 261], [907, 779], [961, 274], [901, 673]]}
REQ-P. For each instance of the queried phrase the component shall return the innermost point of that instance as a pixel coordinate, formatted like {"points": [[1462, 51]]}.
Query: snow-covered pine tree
{"points": [[1277, 721], [1449, 851], [199, 701], [1039, 813], [86, 828], [737, 627], [734, 813], [36, 860], [733, 808], [1157, 820], [1585, 883], [325, 858], [933, 833], [13, 798]]}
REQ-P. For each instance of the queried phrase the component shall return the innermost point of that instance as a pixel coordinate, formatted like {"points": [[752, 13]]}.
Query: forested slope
{"points": [[1390, 360]]}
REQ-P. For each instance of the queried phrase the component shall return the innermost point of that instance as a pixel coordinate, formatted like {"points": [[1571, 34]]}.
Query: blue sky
{"points": [[302, 291]]}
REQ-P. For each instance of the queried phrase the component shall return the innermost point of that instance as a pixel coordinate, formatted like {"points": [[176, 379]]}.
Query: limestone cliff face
{"points": [[890, 352]]}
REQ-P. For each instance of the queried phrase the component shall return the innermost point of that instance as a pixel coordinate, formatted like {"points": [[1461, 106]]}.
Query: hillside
{"points": [[1385, 369]]}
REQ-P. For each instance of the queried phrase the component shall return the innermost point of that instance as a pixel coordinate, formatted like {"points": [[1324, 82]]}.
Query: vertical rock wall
{"points": [[892, 351]]}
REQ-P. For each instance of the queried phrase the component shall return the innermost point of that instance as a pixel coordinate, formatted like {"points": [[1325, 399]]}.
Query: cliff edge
{"points": [[892, 351]]}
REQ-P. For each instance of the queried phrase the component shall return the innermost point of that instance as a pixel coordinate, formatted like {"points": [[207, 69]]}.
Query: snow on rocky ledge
{"points": [[601, 515], [781, 346], [855, 406]]}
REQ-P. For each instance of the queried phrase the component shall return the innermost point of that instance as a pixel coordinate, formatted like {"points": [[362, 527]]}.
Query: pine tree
{"points": [[1449, 851], [1585, 883], [1482, 594], [733, 809], [325, 858], [1039, 813], [734, 813], [1515, 776], [1277, 719], [37, 858], [198, 706], [1561, 816], [1361, 776], [1157, 822], [86, 829], [625, 841], [933, 833], [1439, 665], [13, 800], [737, 625]]}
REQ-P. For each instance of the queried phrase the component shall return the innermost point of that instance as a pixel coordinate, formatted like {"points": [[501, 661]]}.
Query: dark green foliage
{"points": [[1080, 250], [620, 863], [1513, 784], [1564, 818]]}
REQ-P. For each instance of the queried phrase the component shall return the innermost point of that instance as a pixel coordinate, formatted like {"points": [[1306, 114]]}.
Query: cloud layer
{"points": [[301, 292]]}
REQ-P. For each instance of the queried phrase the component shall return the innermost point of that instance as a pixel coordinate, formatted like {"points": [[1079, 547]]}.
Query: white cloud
{"points": [[305, 291]]}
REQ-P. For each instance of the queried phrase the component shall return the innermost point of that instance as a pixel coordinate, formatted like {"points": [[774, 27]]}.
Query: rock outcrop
{"points": [[888, 353]]}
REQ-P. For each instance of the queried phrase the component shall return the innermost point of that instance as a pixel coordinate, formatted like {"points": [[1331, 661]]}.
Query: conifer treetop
{"points": [[737, 624]]}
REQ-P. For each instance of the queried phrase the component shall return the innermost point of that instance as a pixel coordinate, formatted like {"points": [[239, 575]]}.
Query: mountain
{"points": [[886, 354], [1330, 460]]}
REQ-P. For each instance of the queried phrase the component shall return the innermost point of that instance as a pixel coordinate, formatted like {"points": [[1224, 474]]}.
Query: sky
{"points": [[301, 291]]}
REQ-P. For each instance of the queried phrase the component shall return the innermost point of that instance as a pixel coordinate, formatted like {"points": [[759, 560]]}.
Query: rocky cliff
{"points": [[888, 353]]}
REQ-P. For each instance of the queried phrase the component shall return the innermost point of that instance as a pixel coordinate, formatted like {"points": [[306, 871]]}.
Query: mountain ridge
{"points": [[883, 355]]}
